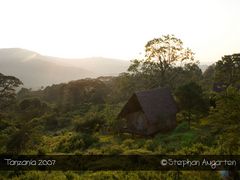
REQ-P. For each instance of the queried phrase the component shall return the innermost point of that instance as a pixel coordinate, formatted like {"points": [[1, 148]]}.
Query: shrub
{"points": [[91, 122], [77, 142]]}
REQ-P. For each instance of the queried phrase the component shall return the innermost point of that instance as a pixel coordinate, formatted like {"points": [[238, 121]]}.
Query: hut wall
{"points": [[165, 124], [136, 121], [152, 129]]}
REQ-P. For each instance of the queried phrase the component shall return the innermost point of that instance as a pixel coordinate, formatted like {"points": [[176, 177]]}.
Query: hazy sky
{"points": [[119, 28]]}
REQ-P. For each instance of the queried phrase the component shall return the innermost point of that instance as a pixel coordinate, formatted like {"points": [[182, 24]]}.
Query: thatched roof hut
{"points": [[148, 112]]}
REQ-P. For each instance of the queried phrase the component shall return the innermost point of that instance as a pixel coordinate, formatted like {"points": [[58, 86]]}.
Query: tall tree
{"points": [[228, 70], [190, 99], [8, 84], [161, 56]]}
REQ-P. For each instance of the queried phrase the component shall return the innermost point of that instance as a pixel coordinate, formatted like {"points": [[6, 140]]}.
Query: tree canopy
{"points": [[228, 70], [190, 99], [8, 85], [162, 56], [224, 120]]}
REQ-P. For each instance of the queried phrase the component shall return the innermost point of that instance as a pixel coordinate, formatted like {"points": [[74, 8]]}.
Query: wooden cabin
{"points": [[149, 112]]}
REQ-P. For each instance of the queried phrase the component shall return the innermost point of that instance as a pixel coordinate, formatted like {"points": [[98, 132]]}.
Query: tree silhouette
{"points": [[190, 99], [228, 70], [8, 84], [161, 56]]}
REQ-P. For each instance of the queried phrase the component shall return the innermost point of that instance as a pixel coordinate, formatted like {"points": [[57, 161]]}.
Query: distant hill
{"points": [[36, 70]]}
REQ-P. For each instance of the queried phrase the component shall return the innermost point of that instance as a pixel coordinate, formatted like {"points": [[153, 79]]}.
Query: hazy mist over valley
{"points": [[36, 70]]}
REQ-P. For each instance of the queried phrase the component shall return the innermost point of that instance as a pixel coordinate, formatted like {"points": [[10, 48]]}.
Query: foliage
{"points": [[228, 70], [31, 108], [7, 89], [123, 86], [190, 99], [190, 96], [224, 120], [69, 96], [184, 75], [195, 149], [76, 92], [76, 142], [53, 121], [91, 122], [24, 139], [110, 113], [163, 55], [174, 141]]}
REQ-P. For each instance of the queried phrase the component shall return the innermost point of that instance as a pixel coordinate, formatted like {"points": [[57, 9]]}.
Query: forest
{"points": [[80, 117]]}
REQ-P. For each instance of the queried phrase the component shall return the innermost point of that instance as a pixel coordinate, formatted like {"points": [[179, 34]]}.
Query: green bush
{"points": [[91, 122], [113, 150], [77, 142]]}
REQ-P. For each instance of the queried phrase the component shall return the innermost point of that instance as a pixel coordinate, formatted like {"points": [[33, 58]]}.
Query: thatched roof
{"points": [[154, 103]]}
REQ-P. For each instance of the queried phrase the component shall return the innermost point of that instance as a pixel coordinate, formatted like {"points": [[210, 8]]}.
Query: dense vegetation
{"points": [[79, 117]]}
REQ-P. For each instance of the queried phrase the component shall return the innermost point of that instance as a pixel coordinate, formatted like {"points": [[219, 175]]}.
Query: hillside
{"points": [[36, 70]]}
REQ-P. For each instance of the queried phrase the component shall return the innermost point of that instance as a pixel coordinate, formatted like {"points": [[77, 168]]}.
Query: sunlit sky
{"points": [[119, 28]]}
